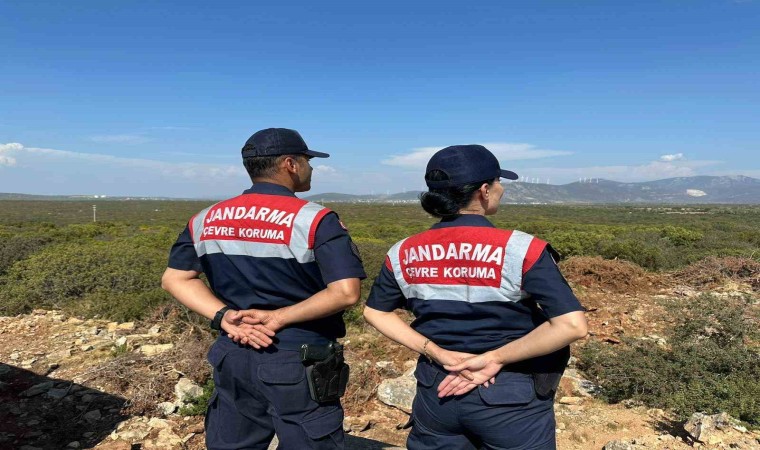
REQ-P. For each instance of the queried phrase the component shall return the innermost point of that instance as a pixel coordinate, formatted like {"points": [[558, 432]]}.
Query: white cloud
{"points": [[132, 139], [67, 172], [654, 170], [323, 170], [6, 150], [504, 151], [5, 153], [7, 161], [673, 157], [11, 146]]}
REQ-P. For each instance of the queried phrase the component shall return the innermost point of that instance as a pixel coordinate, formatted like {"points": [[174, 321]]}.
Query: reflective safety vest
{"points": [[468, 264], [260, 226]]}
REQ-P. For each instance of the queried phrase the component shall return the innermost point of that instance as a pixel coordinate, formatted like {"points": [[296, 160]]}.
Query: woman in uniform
{"points": [[493, 314]]}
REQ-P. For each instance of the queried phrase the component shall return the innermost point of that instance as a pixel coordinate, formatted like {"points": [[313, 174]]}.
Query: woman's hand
{"points": [[470, 373], [444, 357]]}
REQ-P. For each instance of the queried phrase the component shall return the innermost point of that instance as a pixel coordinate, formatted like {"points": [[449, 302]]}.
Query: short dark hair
{"points": [[264, 166], [447, 202]]}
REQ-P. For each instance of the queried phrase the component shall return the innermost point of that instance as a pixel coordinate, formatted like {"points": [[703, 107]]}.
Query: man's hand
{"points": [[246, 332], [269, 319], [473, 372]]}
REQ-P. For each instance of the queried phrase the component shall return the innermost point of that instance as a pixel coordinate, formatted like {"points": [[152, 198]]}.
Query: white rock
{"points": [[398, 392], [155, 422], [185, 389], [59, 355], [38, 389], [126, 326], [151, 350], [57, 393], [166, 408], [28, 363], [92, 416]]}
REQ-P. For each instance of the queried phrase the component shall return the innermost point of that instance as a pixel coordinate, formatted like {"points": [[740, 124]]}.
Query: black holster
{"points": [[548, 371], [326, 371]]}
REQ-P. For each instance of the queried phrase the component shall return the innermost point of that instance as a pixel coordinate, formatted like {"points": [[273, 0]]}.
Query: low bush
{"points": [[709, 366], [16, 248], [119, 277]]}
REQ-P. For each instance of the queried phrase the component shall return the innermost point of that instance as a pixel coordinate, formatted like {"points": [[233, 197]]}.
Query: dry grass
{"points": [[713, 271], [147, 381], [614, 275]]}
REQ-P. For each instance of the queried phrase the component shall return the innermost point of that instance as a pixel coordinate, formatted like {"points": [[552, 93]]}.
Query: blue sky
{"points": [[157, 98]]}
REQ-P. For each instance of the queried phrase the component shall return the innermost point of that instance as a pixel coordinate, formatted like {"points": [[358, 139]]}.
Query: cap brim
{"points": [[314, 154], [508, 174]]}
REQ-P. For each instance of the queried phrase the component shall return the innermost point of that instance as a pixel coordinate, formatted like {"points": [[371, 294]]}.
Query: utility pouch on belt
{"points": [[326, 372], [548, 372]]}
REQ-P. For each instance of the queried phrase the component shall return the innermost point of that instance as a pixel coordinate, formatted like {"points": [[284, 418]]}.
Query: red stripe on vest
{"points": [[313, 228], [191, 228], [471, 256], [388, 264], [252, 218], [535, 249]]}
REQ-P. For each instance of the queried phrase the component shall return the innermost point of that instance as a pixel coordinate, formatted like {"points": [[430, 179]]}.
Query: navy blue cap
{"points": [[465, 164], [278, 141]]}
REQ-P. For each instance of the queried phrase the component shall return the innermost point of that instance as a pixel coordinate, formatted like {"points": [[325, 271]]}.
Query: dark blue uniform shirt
{"points": [[245, 282], [461, 326]]}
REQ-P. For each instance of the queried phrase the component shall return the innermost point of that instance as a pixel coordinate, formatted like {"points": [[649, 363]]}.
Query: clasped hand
{"points": [[254, 327], [466, 372]]}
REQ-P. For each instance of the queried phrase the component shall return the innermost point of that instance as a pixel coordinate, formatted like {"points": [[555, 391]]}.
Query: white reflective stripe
{"points": [[255, 249], [511, 272], [393, 255], [302, 225], [198, 224], [457, 292]]}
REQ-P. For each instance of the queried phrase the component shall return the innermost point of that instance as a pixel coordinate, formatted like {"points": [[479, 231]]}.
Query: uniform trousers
{"points": [[262, 392], [505, 416]]}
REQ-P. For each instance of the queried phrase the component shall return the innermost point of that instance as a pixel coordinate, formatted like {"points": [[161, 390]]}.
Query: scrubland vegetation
{"points": [[53, 256]]}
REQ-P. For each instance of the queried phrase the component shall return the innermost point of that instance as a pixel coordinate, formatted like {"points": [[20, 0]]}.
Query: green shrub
{"points": [[708, 366], [18, 247], [681, 236], [640, 251], [197, 405], [77, 276]]}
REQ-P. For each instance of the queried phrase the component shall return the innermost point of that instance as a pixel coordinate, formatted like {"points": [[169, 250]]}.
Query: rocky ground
{"points": [[72, 383]]}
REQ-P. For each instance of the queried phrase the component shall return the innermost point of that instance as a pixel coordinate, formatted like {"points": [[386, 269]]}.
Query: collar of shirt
{"points": [[270, 189], [464, 220]]}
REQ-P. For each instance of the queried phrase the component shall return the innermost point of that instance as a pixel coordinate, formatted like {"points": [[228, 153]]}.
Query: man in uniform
{"points": [[281, 271]]}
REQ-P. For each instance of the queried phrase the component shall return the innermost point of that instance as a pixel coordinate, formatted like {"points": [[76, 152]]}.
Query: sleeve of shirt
{"points": [[546, 285], [182, 255], [386, 294], [335, 252]]}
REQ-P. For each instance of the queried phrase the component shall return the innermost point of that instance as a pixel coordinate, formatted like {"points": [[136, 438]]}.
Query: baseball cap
{"points": [[465, 164], [278, 141]]}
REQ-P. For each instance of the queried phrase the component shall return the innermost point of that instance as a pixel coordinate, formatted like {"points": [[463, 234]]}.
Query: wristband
{"points": [[216, 322], [424, 350]]}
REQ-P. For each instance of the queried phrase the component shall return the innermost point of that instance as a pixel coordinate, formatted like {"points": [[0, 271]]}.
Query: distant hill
{"points": [[682, 190]]}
